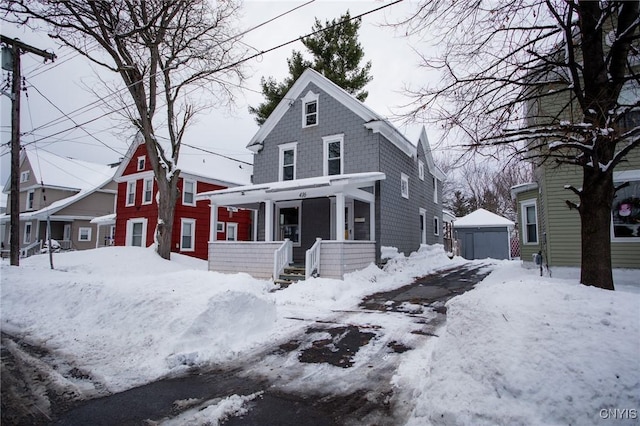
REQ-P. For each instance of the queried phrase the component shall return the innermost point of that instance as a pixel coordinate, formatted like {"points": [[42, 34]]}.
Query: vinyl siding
{"points": [[527, 250]]}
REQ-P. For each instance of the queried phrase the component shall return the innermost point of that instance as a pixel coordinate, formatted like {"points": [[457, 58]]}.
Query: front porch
{"points": [[328, 224]]}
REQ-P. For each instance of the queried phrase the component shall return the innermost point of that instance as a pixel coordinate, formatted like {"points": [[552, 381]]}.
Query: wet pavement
{"points": [[335, 342]]}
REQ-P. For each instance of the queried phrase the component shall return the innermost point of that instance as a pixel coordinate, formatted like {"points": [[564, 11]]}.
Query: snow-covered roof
{"points": [[198, 163], [108, 219], [482, 218], [63, 172]]}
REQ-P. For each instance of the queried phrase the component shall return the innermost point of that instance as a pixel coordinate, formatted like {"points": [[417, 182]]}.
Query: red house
{"points": [[137, 209]]}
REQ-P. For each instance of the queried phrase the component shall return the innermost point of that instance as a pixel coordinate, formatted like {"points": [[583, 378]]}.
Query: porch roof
{"points": [[322, 186]]}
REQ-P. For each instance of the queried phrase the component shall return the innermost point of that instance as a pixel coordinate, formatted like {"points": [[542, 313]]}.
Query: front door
{"points": [[348, 219], [423, 226], [289, 221]]}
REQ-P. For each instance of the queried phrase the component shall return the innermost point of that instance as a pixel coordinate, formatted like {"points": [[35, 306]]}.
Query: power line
{"points": [[216, 153]]}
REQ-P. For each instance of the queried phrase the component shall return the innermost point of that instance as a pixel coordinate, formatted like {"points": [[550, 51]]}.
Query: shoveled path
{"points": [[335, 341]]}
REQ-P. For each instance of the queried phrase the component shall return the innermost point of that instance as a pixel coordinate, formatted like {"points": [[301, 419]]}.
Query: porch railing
{"points": [[33, 248], [282, 257], [312, 260]]}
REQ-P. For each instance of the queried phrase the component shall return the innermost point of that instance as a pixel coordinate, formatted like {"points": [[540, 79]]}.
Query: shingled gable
{"points": [[373, 121]]}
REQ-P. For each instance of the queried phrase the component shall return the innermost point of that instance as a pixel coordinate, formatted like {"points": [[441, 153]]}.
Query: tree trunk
{"points": [[167, 198], [595, 219]]}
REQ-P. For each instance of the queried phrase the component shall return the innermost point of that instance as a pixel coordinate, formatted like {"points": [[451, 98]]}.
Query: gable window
{"points": [[436, 225], [189, 193], [310, 109], [287, 170], [625, 213], [84, 234], [420, 169], [529, 222], [333, 155], [435, 190], [27, 232], [141, 161], [131, 193], [30, 198], [147, 194], [24, 176], [187, 234], [404, 185]]}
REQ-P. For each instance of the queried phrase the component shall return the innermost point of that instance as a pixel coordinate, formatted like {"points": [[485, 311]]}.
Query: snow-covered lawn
{"points": [[518, 349]]}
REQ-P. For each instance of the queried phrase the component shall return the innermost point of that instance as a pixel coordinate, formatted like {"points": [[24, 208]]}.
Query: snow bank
{"points": [[520, 349]]}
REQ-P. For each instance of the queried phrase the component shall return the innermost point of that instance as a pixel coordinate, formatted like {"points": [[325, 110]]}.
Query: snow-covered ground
{"points": [[518, 349]]}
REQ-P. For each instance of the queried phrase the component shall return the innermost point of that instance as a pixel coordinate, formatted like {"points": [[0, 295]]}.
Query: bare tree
{"points": [[504, 60], [160, 49]]}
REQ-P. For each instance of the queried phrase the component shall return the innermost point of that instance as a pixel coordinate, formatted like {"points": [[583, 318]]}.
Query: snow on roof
{"points": [[482, 218], [200, 163], [63, 172], [107, 219]]}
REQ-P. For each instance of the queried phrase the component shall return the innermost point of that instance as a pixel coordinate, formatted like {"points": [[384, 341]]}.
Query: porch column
{"points": [[340, 216], [268, 220], [213, 228], [372, 221]]}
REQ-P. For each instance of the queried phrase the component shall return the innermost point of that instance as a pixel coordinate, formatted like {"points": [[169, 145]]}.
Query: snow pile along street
{"points": [[518, 349]]}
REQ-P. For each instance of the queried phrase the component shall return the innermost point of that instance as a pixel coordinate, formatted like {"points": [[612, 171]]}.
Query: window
{"points": [[187, 234], [220, 227], [189, 193], [24, 176], [147, 194], [136, 232], [310, 109], [436, 225], [30, 198], [131, 193], [111, 238], [232, 232], [27, 232], [287, 162], [626, 207], [333, 158], [529, 222], [420, 169], [84, 234], [404, 185], [435, 190], [141, 161]]}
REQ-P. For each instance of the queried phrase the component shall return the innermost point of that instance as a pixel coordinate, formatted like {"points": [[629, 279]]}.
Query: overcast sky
{"points": [[65, 84]]}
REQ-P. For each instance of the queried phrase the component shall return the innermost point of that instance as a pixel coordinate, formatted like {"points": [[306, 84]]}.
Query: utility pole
{"points": [[17, 48]]}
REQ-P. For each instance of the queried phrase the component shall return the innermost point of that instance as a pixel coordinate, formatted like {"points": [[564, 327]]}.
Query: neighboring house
{"points": [[137, 209], [484, 234], [545, 222], [67, 192], [333, 182]]}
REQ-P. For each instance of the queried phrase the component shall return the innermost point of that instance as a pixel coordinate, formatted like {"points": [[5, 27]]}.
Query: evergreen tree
{"points": [[336, 54]]}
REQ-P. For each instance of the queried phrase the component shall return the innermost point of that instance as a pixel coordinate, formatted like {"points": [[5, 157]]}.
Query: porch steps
{"points": [[291, 274]]}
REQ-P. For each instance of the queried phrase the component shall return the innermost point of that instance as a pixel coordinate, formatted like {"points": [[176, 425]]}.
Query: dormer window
{"points": [[141, 161], [310, 109]]}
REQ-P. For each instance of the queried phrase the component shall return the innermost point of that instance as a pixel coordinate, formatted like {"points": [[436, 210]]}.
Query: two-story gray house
{"points": [[333, 182]]}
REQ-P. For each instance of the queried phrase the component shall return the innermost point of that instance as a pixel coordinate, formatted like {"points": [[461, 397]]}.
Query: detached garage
{"points": [[484, 234]]}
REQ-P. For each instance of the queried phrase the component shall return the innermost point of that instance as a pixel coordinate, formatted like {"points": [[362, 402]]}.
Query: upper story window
{"points": [[24, 176], [404, 185], [147, 192], [625, 210], [529, 222], [421, 169], [310, 109], [287, 169], [333, 155], [30, 199], [189, 193], [435, 190], [131, 193], [141, 161]]}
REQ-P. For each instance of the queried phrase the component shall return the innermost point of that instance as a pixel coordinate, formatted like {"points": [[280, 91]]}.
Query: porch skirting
{"points": [[256, 258]]}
